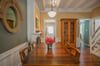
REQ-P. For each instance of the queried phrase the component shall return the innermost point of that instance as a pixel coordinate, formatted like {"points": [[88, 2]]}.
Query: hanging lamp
{"points": [[52, 13]]}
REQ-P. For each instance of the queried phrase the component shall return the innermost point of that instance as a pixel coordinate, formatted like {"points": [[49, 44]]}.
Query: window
{"points": [[50, 30]]}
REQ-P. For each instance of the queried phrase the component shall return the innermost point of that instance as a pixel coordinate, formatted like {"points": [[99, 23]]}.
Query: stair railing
{"points": [[94, 39]]}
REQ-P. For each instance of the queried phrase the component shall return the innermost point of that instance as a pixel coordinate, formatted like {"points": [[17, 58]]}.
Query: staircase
{"points": [[95, 43]]}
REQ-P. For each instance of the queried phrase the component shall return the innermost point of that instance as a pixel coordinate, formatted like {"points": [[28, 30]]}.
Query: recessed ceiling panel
{"points": [[67, 5]]}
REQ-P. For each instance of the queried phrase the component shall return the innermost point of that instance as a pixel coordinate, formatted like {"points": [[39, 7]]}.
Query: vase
{"points": [[50, 46]]}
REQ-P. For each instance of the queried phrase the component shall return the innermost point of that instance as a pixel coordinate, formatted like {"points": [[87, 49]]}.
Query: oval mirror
{"points": [[11, 17]]}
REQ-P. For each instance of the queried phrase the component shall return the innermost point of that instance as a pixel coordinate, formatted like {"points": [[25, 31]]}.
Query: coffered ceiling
{"points": [[68, 5]]}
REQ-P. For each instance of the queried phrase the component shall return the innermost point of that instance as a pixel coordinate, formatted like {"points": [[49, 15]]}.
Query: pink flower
{"points": [[49, 40]]}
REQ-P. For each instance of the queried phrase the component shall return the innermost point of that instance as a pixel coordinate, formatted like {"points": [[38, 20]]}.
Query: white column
{"points": [[30, 18]]}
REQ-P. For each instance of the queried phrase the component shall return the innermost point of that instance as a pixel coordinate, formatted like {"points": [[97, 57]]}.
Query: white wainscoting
{"points": [[11, 57]]}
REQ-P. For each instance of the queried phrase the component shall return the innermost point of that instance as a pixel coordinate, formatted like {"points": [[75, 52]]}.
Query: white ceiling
{"points": [[68, 5]]}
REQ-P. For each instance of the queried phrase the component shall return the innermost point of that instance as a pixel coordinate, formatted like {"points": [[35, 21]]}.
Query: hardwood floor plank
{"points": [[57, 56]]}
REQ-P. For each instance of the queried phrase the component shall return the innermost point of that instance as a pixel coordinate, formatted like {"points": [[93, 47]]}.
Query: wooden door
{"points": [[68, 32]]}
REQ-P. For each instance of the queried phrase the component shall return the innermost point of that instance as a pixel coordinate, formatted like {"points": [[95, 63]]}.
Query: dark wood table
{"points": [[42, 55], [57, 56]]}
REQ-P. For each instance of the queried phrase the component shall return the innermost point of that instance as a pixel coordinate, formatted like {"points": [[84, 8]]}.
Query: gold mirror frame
{"points": [[4, 5]]}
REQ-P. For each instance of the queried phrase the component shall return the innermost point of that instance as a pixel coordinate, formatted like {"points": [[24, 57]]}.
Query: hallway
{"points": [[25, 22], [58, 56]]}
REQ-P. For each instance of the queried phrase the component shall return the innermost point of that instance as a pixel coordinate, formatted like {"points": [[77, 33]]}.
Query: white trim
{"points": [[11, 51], [7, 58], [30, 18]]}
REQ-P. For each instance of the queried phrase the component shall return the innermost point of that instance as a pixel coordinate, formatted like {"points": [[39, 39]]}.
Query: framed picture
{"points": [[36, 25]]}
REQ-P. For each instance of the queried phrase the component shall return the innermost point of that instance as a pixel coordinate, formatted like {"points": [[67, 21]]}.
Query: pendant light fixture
{"points": [[52, 13]]}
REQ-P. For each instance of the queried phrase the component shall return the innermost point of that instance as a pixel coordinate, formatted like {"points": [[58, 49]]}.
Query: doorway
{"points": [[84, 32], [50, 28]]}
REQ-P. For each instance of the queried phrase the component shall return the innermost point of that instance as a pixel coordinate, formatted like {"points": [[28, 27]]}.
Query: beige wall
{"points": [[61, 15], [96, 12], [37, 12]]}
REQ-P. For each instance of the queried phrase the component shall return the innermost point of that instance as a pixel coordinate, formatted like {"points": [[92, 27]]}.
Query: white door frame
{"points": [[89, 28], [47, 21]]}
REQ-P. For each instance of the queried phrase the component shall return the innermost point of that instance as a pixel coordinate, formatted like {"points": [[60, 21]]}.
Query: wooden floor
{"points": [[42, 56]]}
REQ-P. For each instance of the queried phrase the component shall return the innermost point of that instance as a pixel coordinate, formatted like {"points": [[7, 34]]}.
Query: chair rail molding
{"points": [[8, 58]]}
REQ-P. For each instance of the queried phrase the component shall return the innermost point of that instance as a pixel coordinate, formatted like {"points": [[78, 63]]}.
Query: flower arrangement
{"points": [[49, 40]]}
